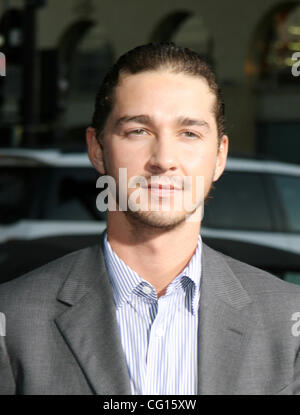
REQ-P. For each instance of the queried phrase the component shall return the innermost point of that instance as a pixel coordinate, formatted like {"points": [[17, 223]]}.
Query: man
{"points": [[152, 310]]}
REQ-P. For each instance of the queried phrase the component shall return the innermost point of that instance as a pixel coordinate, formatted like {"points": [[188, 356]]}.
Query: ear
{"points": [[221, 157], [95, 150]]}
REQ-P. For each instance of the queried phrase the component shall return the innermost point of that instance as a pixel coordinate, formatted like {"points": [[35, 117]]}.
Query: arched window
{"points": [[276, 38], [274, 84]]}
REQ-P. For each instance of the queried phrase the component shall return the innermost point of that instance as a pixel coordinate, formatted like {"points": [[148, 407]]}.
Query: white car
{"points": [[48, 208], [254, 215]]}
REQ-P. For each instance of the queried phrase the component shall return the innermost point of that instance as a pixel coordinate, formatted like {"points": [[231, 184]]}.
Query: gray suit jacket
{"points": [[62, 335]]}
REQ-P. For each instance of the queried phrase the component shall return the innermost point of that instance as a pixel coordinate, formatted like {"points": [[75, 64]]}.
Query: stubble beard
{"points": [[160, 219], [156, 219], [151, 219]]}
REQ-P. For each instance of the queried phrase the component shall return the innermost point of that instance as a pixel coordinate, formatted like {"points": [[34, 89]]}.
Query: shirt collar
{"points": [[189, 279], [125, 280]]}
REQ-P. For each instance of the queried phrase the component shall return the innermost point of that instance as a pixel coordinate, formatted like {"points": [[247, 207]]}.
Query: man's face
{"points": [[163, 128]]}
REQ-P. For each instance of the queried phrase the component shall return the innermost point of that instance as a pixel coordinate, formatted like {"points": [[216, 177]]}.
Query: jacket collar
{"points": [[89, 326]]}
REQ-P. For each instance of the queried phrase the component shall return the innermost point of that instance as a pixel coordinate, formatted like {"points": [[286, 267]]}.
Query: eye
{"points": [[138, 131], [190, 134]]}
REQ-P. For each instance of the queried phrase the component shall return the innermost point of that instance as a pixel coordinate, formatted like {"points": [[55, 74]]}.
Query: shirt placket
{"points": [[144, 305], [156, 354]]}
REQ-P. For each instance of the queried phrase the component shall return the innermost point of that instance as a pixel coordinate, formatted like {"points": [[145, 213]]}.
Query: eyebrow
{"points": [[146, 120], [187, 122], [141, 119]]}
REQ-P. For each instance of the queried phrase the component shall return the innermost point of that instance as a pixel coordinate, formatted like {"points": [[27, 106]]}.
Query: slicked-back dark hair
{"points": [[154, 57]]}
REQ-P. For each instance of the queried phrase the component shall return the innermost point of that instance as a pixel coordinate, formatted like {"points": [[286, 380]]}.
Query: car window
{"points": [[238, 201], [288, 189], [17, 187], [72, 195], [291, 276]]}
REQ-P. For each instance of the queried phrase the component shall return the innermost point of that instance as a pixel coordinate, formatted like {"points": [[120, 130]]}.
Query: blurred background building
{"points": [[57, 53]]}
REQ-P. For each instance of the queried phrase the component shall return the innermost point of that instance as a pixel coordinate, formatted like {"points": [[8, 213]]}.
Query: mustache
{"points": [[177, 182]]}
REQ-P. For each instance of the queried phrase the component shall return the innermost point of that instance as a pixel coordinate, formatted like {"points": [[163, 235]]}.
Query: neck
{"points": [[158, 255]]}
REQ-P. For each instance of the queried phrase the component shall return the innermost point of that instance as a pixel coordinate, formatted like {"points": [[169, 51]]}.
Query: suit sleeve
{"points": [[7, 381]]}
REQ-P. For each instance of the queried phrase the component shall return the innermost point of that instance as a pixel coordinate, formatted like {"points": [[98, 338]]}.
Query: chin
{"points": [[162, 220]]}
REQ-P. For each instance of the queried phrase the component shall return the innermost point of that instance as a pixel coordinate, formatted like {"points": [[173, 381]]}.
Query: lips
{"points": [[162, 186], [162, 189]]}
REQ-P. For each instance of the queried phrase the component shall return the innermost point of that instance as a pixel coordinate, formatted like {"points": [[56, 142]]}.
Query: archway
{"points": [[185, 29], [275, 38], [277, 90], [84, 55]]}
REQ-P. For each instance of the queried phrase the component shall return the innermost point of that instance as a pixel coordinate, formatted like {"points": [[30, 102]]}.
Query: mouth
{"points": [[162, 190]]}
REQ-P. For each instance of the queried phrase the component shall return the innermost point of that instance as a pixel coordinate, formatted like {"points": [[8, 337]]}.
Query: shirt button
{"points": [[159, 332], [147, 290]]}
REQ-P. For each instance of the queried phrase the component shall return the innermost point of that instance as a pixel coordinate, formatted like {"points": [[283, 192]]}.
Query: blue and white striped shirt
{"points": [[158, 335]]}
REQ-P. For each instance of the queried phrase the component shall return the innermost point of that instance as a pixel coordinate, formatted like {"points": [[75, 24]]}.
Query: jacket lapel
{"points": [[226, 321], [89, 326]]}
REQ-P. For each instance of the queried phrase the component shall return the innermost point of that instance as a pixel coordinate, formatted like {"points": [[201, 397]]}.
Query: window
{"points": [[276, 38], [288, 188], [238, 201], [17, 187], [292, 276], [73, 195]]}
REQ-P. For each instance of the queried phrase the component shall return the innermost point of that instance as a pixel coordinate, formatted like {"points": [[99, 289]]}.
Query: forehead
{"points": [[163, 93]]}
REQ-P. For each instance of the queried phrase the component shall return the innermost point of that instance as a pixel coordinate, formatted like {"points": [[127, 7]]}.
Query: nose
{"points": [[163, 155]]}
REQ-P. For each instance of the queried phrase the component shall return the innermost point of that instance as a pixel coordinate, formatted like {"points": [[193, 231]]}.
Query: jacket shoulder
{"points": [[252, 278], [45, 280]]}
